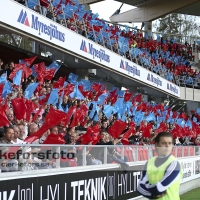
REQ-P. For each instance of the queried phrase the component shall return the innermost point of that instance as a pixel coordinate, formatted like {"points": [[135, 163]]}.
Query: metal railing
{"points": [[88, 29], [28, 157]]}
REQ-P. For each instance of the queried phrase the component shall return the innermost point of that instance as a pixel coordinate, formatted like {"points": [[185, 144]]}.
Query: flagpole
{"points": [[39, 7], [94, 33], [75, 23], [102, 37], [64, 16], [85, 28]]}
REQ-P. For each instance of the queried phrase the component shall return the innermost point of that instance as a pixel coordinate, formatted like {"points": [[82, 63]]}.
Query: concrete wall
{"points": [[190, 94]]}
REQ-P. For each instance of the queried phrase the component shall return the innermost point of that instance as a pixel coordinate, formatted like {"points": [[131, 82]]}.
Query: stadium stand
{"points": [[169, 58], [36, 109]]}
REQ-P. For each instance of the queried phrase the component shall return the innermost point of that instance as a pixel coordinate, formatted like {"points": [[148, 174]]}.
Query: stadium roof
{"points": [[149, 10]]}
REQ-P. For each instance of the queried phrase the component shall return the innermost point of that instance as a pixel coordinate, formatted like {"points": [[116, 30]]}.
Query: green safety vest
{"points": [[156, 174]]}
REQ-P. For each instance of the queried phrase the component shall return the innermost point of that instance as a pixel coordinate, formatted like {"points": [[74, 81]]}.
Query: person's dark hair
{"points": [[163, 134], [9, 63], [103, 131], [7, 128]]}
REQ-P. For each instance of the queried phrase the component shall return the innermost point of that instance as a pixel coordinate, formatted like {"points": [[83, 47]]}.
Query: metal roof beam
{"points": [[154, 10]]}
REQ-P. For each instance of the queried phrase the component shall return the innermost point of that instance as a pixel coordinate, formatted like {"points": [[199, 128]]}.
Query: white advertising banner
{"points": [[187, 165], [197, 167], [35, 24]]}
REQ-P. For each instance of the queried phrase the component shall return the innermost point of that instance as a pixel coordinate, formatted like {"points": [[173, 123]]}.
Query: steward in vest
{"points": [[162, 174]]}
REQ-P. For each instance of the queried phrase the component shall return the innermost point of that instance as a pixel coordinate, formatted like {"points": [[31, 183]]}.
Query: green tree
{"points": [[174, 23]]}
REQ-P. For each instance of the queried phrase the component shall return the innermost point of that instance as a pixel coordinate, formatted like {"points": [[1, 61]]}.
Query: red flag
{"points": [[17, 67], [160, 107], [117, 128], [76, 118], [161, 128], [184, 116], [1, 89], [175, 114], [126, 135], [143, 107], [113, 99], [99, 94], [92, 135], [36, 114], [127, 96], [3, 119], [19, 108], [147, 130], [49, 74], [69, 89], [177, 131], [29, 61], [4, 107], [68, 115], [96, 87], [113, 93], [26, 72], [44, 100], [137, 98], [54, 139], [84, 109], [90, 95], [53, 118], [59, 83], [40, 70], [30, 107]]}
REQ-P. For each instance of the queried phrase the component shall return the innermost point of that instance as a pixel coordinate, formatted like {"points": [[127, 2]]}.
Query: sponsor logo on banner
{"points": [[99, 185], [153, 79], [131, 69], [197, 167], [42, 28], [172, 88], [187, 166], [23, 19], [96, 53]]}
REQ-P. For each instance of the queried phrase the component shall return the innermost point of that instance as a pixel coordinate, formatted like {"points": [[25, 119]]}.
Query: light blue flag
{"points": [[86, 84], [33, 71], [30, 90], [96, 117], [60, 103], [102, 98], [194, 119], [7, 89], [76, 93], [124, 118], [198, 110], [150, 117], [139, 116], [91, 115], [17, 78], [188, 124], [121, 93], [3, 78], [53, 98], [72, 78], [118, 105], [54, 65], [107, 111]]}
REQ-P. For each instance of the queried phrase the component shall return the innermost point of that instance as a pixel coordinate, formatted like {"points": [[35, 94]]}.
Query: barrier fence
{"points": [[33, 157]]}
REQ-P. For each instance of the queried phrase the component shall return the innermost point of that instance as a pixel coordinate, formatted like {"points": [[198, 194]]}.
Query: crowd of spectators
{"points": [[37, 109], [169, 58]]}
